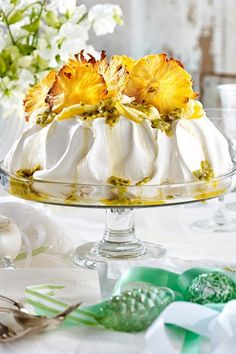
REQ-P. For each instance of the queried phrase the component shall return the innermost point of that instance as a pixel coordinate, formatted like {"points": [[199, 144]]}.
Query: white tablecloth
{"points": [[169, 226]]}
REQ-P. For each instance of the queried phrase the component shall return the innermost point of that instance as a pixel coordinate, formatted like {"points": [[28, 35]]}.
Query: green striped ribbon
{"points": [[35, 252], [42, 297]]}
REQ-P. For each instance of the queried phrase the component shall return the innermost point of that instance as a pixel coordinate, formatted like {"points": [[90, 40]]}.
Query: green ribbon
{"points": [[192, 342], [162, 277], [42, 297]]}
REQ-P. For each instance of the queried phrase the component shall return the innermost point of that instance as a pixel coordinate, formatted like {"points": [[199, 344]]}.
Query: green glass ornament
{"points": [[213, 287], [134, 310]]}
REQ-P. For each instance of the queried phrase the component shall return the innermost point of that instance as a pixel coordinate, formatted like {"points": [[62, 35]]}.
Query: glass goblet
{"points": [[225, 121], [227, 93]]}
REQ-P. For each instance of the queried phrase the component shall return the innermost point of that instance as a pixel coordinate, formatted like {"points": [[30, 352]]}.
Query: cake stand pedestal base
{"points": [[119, 242], [86, 255]]}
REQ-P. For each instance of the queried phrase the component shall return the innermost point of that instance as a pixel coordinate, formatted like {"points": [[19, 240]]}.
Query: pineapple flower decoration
{"points": [[154, 88]]}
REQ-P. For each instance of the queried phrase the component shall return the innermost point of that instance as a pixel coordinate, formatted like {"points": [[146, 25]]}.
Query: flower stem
{"points": [[8, 28], [82, 18], [33, 3], [35, 39]]}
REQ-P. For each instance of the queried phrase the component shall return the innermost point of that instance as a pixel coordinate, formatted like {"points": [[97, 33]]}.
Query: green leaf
{"points": [[52, 19], [14, 52], [3, 66], [58, 58], [6, 55], [32, 27], [14, 2], [25, 48], [15, 16], [13, 68]]}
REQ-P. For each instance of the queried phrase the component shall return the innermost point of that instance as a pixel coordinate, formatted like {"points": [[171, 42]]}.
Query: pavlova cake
{"points": [[122, 122]]}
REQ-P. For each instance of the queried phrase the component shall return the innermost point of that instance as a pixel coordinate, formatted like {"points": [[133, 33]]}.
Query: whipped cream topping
{"points": [[76, 151], [193, 141]]}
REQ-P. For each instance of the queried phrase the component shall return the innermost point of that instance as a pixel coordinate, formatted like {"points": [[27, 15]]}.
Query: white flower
{"points": [[25, 79], [72, 15], [90, 50], [47, 33], [5, 6], [54, 44], [4, 39], [25, 61], [104, 18], [71, 31], [12, 104], [12, 100], [72, 38], [78, 14], [47, 47], [70, 47], [49, 54], [63, 6]]}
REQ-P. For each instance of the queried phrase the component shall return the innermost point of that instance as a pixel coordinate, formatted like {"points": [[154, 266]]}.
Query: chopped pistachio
{"points": [[71, 197], [112, 121], [28, 172], [205, 173], [105, 109], [141, 107], [118, 181], [162, 125], [176, 114], [143, 181], [111, 109], [45, 117]]}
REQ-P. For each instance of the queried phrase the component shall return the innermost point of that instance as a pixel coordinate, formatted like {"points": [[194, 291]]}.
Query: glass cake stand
{"points": [[120, 239]]}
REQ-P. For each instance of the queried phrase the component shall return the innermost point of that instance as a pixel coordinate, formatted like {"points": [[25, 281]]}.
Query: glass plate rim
{"points": [[147, 186]]}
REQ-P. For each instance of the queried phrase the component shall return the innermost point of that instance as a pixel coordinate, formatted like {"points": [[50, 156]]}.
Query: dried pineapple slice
{"points": [[75, 84], [36, 95], [161, 82], [99, 65], [116, 74]]}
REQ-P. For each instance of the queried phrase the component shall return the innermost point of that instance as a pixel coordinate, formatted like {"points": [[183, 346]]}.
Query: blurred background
{"points": [[199, 33]]}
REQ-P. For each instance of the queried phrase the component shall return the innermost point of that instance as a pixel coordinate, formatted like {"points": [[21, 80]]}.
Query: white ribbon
{"points": [[218, 328]]}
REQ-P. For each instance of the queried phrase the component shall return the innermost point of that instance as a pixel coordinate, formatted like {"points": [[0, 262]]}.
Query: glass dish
{"points": [[120, 239], [221, 221]]}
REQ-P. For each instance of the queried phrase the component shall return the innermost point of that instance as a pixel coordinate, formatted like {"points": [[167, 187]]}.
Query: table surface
{"points": [[169, 226]]}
